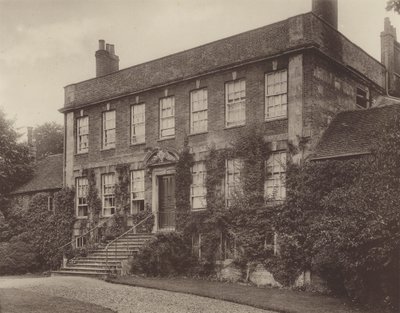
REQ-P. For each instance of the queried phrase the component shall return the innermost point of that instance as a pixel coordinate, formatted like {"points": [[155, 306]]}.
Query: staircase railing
{"points": [[115, 241], [81, 236]]}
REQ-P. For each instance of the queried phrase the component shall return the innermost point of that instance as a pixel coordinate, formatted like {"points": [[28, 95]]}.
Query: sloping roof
{"points": [[290, 35], [354, 133], [48, 175]]}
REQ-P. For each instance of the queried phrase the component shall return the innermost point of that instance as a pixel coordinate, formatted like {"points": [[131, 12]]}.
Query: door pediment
{"points": [[160, 156]]}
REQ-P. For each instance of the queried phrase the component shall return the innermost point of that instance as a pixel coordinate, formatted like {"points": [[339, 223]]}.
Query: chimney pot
{"points": [[112, 49], [108, 47], [101, 44]]}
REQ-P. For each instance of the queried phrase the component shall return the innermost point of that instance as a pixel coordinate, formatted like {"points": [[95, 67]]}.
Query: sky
{"points": [[48, 44]]}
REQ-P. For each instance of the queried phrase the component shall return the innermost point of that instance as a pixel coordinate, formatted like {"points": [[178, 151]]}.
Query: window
{"points": [[167, 117], [235, 106], [108, 192], [196, 245], [198, 188], [82, 134], [82, 187], [137, 191], [233, 168], [108, 129], [198, 111], [50, 203], [276, 95], [275, 183], [138, 123], [362, 98], [80, 242]]}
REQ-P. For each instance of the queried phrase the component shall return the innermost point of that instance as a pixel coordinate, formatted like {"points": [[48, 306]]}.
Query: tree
{"points": [[393, 5], [49, 139], [15, 158]]}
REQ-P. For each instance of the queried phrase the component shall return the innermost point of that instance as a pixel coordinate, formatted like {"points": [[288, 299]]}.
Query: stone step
{"points": [[84, 269], [94, 265], [101, 275]]}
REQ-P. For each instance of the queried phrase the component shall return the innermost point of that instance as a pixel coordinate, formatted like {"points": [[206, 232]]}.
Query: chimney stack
{"points": [[31, 142], [106, 60], [390, 57], [326, 10]]}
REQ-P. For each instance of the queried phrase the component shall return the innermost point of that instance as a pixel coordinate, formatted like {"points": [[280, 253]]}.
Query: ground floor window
{"points": [[80, 242], [137, 191], [275, 187], [196, 245], [108, 193], [81, 187]]}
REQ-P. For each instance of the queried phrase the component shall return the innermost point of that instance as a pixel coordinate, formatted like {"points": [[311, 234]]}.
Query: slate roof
{"points": [[353, 133], [48, 175]]}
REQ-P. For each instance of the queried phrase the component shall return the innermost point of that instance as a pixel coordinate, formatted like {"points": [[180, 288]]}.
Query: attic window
{"points": [[362, 98]]}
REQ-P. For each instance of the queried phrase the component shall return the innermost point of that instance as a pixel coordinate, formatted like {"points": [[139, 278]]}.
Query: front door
{"points": [[166, 200]]}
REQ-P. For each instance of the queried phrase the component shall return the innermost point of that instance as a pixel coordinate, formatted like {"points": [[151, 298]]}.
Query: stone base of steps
{"points": [[80, 273]]}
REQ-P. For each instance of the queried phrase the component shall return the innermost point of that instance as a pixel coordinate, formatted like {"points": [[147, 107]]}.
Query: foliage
{"points": [[93, 199], [15, 159], [183, 183], [18, 256], [51, 230], [342, 220], [49, 139], [147, 226], [167, 254], [393, 5]]}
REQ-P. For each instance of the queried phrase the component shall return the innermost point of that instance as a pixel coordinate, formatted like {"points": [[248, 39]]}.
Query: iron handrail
{"points": [[129, 230], [88, 232]]}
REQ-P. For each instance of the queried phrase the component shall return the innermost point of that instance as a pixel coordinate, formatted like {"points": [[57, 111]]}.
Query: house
{"points": [[292, 77], [352, 134], [47, 178]]}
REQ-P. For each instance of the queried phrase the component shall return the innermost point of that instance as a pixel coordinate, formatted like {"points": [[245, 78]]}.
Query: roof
{"points": [[48, 175], [353, 133], [284, 37]]}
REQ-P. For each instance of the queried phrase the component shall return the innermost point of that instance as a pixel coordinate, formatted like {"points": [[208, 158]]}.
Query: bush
{"points": [[167, 254], [18, 256]]}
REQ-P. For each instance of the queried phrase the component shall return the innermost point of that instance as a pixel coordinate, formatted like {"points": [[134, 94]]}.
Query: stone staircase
{"points": [[98, 264]]}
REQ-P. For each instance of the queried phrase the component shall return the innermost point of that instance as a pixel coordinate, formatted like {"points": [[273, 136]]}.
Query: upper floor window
{"points": [[108, 193], [138, 123], [235, 103], [82, 134], [198, 111], [167, 117], [81, 187], [137, 191], [362, 98], [276, 95], [276, 173], [233, 169], [108, 129], [198, 188]]}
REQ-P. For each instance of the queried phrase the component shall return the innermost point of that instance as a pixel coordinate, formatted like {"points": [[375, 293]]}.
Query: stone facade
{"points": [[325, 72]]}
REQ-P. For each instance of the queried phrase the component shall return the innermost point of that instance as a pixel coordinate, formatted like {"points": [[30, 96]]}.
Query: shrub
{"points": [[167, 254]]}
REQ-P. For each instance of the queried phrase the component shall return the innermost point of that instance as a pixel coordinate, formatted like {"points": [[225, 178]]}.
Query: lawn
{"points": [[18, 301], [280, 300]]}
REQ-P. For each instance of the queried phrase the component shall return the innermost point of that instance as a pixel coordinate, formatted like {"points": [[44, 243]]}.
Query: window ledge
{"points": [[138, 143], [107, 149], [278, 118], [82, 217], [235, 126], [81, 153], [199, 133], [166, 138], [198, 210]]}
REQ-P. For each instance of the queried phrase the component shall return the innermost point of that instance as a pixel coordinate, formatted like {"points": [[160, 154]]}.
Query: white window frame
{"points": [[275, 187], [198, 189], [109, 129], [82, 191], [167, 117], [137, 190], [233, 168], [82, 134], [235, 103], [80, 241], [108, 194], [138, 123], [276, 95], [199, 111]]}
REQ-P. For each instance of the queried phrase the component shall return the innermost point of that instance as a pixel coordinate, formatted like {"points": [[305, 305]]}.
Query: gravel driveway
{"points": [[122, 298]]}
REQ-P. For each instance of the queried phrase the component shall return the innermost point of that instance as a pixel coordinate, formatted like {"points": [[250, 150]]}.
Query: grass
{"points": [[279, 300], [18, 301]]}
